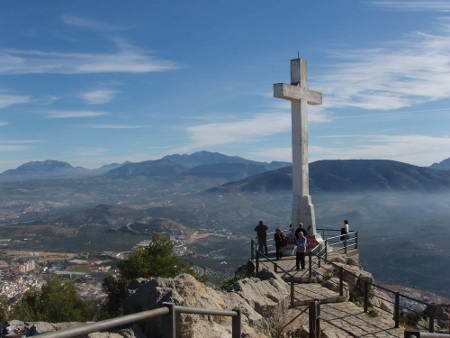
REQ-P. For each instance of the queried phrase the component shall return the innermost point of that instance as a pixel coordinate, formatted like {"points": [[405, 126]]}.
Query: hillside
{"points": [[443, 165], [349, 176], [38, 169]]}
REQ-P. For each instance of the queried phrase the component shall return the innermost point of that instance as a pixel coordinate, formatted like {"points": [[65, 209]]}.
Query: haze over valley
{"points": [[210, 203]]}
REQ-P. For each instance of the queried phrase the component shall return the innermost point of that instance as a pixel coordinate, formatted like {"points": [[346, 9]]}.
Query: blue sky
{"points": [[95, 82]]}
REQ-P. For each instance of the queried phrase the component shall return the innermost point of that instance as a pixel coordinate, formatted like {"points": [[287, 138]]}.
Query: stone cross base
{"points": [[303, 212]]}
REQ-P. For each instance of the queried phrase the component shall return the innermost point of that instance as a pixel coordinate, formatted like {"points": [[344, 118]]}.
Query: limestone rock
{"points": [[260, 301]]}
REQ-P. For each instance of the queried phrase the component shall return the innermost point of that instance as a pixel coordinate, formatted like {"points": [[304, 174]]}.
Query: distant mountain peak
{"points": [[443, 165]]}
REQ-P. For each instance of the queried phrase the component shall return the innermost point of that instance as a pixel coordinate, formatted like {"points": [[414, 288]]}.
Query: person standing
{"points": [[345, 230], [280, 243], [302, 242], [300, 229], [261, 232]]}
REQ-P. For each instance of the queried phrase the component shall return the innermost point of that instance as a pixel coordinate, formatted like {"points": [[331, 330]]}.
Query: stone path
{"points": [[339, 317]]}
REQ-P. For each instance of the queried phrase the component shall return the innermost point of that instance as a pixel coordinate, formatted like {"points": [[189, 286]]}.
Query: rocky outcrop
{"points": [[260, 301], [19, 327]]}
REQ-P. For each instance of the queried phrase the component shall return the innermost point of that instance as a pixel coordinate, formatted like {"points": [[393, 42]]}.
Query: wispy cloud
{"points": [[244, 130], [116, 126], [426, 149], [65, 114], [90, 24], [10, 99], [98, 96], [126, 59], [430, 5], [396, 75], [17, 145], [3, 123], [95, 151]]}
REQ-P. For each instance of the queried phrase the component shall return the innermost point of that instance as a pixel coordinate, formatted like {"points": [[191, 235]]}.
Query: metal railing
{"points": [[342, 243], [414, 333], [169, 311], [396, 301]]}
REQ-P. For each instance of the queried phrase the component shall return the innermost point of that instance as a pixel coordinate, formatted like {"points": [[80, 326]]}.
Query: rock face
{"points": [[17, 326], [261, 301]]}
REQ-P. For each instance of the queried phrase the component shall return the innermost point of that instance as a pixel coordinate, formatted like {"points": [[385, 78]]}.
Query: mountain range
{"points": [[203, 163], [348, 176], [238, 174]]}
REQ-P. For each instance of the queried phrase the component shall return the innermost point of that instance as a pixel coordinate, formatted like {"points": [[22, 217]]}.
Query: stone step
{"points": [[307, 293], [343, 320]]}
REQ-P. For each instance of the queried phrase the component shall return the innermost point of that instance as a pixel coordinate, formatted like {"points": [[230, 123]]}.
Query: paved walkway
{"points": [[339, 317]]}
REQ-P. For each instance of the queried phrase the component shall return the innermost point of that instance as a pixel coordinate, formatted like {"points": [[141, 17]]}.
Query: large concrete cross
{"points": [[300, 96]]}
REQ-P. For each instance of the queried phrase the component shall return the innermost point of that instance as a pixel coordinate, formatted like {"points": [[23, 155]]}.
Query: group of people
{"points": [[295, 240]]}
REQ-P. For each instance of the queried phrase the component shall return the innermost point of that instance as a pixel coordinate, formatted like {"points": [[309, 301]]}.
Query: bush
{"points": [[229, 282], [57, 301]]}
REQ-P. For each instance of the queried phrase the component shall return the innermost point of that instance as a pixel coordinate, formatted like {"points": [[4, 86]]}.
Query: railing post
{"points": [[326, 249], [356, 240], [170, 322], [236, 325], [431, 324], [257, 261], [310, 265], [397, 310], [341, 281], [275, 267], [345, 244], [252, 249], [366, 295], [292, 293], [314, 324]]}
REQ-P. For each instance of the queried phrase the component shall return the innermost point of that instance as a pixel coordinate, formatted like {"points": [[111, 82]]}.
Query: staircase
{"points": [[339, 317]]}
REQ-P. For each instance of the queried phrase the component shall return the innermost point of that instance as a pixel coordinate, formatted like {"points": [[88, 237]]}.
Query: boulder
{"points": [[260, 301]]}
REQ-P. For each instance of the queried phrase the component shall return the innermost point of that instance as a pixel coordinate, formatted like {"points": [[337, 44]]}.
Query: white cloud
{"points": [[24, 141], [90, 24], [272, 154], [126, 59], [64, 114], [430, 5], [9, 99], [115, 126], [399, 74], [98, 96], [3, 123], [244, 130], [415, 149], [16, 145], [89, 152]]}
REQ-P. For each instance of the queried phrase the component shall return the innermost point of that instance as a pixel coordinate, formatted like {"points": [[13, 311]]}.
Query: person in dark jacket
{"points": [[261, 231], [299, 229], [302, 243], [280, 243]]}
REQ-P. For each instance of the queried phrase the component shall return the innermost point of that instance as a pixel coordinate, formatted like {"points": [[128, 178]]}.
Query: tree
{"points": [[57, 301], [156, 260]]}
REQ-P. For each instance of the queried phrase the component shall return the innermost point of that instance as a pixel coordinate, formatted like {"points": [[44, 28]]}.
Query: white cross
{"points": [[300, 96]]}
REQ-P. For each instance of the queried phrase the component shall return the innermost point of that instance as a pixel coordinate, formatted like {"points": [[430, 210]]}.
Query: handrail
{"points": [[106, 324], [168, 310], [414, 333]]}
